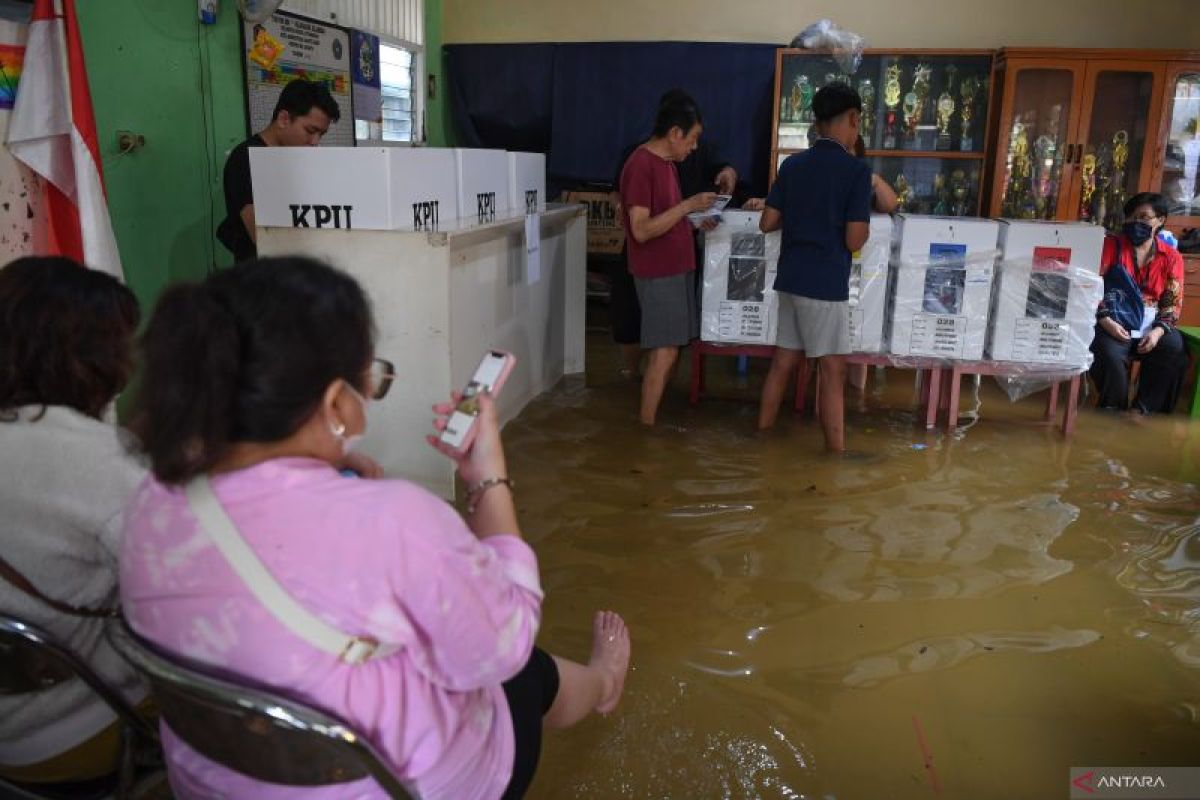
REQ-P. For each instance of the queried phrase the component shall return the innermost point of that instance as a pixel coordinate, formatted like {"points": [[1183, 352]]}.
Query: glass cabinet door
{"points": [[1181, 160], [1118, 126], [1034, 141]]}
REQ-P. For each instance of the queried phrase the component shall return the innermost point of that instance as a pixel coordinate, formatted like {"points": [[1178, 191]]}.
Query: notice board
{"points": [[285, 47]]}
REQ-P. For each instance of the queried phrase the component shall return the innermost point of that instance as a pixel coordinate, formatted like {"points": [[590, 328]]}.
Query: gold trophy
{"points": [[967, 91], [1016, 193], [958, 190], [866, 92], [945, 109], [902, 192], [942, 209], [915, 100], [795, 101], [1116, 196], [1089, 187], [891, 99]]}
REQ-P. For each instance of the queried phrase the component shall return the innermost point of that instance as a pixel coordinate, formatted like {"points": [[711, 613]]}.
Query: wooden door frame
{"points": [[1153, 114]]}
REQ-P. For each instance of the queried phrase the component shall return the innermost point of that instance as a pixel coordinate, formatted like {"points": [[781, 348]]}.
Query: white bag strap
{"points": [[320, 634]]}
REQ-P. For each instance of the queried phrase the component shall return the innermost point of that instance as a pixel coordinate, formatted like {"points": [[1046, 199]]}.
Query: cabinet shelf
{"points": [[906, 94]]}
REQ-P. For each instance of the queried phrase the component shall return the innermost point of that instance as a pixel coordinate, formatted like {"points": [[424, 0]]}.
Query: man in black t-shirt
{"points": [[303, 114]]}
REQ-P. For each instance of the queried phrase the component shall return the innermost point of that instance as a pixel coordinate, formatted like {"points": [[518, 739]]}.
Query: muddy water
{"points": [[960, 617]]}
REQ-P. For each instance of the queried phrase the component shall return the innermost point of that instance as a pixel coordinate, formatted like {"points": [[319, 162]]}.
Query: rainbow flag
{"points": [[12, 57]]}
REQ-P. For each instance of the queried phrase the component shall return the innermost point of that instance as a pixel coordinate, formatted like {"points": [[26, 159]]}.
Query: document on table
{"points": [[533, 248]]}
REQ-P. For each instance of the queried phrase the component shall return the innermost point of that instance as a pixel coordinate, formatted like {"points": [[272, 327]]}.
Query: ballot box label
{"points": [[1040, 341], [744, 321], [938, 335]]}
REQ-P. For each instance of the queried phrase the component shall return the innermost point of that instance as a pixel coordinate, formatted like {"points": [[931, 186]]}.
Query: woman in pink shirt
{"points": [[257, 381]]}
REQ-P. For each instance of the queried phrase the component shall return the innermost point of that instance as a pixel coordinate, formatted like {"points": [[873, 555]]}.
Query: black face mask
{"points": [[1138, 231]]}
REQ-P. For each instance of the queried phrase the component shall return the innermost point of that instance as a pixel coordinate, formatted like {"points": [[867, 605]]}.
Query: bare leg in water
{"points": [[597, 685], [783, 364], [654, 382], [631, 354]]}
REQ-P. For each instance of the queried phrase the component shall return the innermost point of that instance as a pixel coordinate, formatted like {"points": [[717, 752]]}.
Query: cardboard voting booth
{"points": [[354, 188], [527, 183], [482, 182]]}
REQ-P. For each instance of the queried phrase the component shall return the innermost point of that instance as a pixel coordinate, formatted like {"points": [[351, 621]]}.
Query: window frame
{"points": [[418, 96]]}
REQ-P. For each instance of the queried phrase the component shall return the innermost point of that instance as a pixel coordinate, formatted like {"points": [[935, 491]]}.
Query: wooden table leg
{"points": [[1072, 406], [935, 397], [1052, 403], [952, 406]]}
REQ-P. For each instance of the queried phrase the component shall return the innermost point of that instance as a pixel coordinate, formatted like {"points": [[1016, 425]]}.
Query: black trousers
{"points": [[1159, 381]]}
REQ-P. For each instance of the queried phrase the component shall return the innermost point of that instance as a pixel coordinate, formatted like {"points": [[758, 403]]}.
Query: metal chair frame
{"points": [[69, 665], [199, 706]]}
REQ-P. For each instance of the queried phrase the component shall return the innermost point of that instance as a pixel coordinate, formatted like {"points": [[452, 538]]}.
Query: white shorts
{"points": [[817, 327]]}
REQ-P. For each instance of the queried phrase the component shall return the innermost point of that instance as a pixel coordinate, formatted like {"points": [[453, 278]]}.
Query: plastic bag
{"points": [[939, 303], [1043, 320], [739, 300], [847, 47]]}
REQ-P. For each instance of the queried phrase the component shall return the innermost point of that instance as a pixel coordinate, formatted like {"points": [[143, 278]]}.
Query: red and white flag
{"points": [[53, 131]]}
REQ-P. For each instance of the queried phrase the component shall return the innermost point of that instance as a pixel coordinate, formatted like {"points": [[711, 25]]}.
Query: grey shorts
{"points": [[670, 317], [818, 327]]}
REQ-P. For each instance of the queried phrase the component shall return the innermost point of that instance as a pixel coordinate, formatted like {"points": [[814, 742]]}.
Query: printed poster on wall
{"points": [[20, 190], [368, 88], [286, 47]]}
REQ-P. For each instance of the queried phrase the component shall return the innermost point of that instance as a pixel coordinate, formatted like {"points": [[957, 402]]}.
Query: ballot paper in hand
{"points": [[714, 212]]}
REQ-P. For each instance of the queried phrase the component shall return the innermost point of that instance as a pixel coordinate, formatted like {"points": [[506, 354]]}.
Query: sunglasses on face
{"points": [[379, 378]]}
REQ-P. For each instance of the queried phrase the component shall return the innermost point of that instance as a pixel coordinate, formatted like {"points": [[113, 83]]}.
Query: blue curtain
{"points": [[584, 104]]}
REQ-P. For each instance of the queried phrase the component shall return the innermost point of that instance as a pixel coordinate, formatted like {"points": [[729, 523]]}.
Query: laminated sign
{"points": [[940, 330], [745, 317]]}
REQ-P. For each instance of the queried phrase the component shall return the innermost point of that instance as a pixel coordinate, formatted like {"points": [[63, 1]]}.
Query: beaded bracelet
{"points": [[476, 490]]}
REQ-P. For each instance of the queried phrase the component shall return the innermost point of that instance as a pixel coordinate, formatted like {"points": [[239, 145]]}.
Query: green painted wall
{"points": [[439, 128], [155, 71]]}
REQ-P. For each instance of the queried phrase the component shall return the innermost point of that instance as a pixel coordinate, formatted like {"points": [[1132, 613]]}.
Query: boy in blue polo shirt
{"points": [[821, 200]]}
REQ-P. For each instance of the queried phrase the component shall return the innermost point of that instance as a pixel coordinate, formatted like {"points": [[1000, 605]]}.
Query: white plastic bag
{"points": [[847, 47]]}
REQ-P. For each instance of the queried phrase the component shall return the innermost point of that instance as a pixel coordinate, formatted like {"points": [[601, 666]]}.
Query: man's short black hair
{"points": [[835, 99], [300, 96], [675, 96], [1153, 199], [676, 110]]}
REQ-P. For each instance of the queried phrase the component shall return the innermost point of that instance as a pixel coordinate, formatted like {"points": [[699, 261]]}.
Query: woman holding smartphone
{"points": [[256, 385]]}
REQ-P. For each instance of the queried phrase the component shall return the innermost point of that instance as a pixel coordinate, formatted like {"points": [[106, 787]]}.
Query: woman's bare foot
{"points": [[610, 652]]}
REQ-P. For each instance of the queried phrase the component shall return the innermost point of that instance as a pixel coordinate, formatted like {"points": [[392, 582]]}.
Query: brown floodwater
{"points": [[963, 616]]}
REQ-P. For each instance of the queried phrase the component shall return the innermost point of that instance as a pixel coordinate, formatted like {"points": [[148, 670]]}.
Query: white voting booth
{"points": [[1047, 290], [440, 240]]}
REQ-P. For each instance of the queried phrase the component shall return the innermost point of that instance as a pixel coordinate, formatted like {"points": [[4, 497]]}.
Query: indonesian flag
{"points": [[53, 131]]}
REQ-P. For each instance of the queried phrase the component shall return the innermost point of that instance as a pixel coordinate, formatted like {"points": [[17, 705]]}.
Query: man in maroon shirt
{"points": [[659, 237]]}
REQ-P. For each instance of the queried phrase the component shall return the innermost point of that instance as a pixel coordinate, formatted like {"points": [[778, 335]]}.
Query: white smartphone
{"points": [[489, 377]]}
